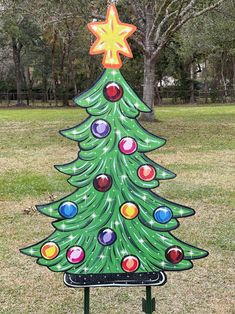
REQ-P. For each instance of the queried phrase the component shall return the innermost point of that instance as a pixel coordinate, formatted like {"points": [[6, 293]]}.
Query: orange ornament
{"points": [[129, 210], [49, 250]]}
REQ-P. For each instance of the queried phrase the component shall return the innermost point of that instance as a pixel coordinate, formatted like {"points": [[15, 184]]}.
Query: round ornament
{"points": [[162, 214], [102, 182], [75, 255], [146, 172], [100, 128], [127, 145], [113, 91], [130, 264], [129, 210], [107, 236], [49, 250], [68, 209], [174, 254]]}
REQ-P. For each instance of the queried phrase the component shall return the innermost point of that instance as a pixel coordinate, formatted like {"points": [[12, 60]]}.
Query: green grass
{"points": [[199, 149]]}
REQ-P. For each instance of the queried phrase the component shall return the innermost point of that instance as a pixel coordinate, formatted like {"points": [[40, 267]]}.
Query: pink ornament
{"points": [[127, 145], [75, 255]]}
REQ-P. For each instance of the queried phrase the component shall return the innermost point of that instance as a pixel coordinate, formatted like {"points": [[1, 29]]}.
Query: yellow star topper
{"points": [[111, 38]]}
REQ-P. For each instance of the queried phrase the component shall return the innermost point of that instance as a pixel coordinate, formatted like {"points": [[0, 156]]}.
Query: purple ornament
{"points": [[107, 236], [100, 128]]}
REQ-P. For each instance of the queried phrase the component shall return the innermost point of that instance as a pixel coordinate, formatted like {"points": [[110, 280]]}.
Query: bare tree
{"points": [[158, 21]]}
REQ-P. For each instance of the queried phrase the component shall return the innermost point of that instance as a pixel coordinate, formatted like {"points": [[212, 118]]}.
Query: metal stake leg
{"points": [[148, 305], [86, 300]]}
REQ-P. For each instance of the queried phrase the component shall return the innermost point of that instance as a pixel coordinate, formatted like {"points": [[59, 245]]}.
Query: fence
{"points": [[165, 97]]}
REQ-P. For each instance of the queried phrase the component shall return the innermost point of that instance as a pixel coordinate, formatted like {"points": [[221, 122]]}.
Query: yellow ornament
{"points": [[111, 38], [129, 210], [49, 250]]}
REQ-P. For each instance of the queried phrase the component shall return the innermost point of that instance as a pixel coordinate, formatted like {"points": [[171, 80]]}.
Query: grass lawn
{"points": [[200, 149]]}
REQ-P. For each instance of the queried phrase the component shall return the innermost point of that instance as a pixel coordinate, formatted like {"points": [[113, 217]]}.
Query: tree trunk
{"points": [[206, 80], [29, 84], [224, 79], [16, 47], [233, 78], [158, 97], [149, 87], [53, 67], [192, 84], [64, 86]]}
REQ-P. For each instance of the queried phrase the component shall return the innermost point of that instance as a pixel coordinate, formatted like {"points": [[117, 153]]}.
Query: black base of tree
{"points": [[126, 279]]}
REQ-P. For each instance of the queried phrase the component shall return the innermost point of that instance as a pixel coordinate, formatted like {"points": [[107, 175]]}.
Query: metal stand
{"points": [[148, 305], [86, 300]]}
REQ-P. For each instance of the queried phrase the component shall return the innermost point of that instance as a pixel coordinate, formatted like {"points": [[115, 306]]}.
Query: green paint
{"points": [[97, 210]]}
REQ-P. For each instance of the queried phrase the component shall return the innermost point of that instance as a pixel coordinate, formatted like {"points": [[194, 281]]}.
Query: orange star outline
{"points": [[111, 39]]}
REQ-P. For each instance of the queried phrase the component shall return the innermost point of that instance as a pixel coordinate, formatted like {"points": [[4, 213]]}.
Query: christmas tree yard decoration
{"points": [[113, 229]]}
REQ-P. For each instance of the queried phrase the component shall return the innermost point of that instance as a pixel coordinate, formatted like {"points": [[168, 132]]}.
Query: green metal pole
{"points": [[148, 305], [149, 300], [86, 300]]}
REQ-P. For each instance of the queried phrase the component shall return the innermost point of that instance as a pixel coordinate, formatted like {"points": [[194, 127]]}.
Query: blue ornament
{"points": [[107, 236], [162, 214], [68, 209], [100, 128]]}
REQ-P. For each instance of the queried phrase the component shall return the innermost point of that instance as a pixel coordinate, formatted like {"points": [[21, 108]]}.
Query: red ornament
{"points": [[174, 254], [102, 182], [146, 172], [113, 92], [130, 264]]}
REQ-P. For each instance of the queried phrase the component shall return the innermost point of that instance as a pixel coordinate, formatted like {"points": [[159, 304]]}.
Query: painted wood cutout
{"points": [[113, 230]]}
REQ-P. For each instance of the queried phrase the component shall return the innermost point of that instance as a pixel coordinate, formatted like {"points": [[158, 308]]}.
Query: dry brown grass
{"points": [[204, 182]]}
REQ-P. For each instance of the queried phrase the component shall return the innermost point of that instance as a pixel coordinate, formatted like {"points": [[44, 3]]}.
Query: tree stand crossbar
{"points": [[148, 304]]}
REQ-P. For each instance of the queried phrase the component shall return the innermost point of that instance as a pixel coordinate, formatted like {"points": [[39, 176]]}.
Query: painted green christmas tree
{"points": [[113, 228]]}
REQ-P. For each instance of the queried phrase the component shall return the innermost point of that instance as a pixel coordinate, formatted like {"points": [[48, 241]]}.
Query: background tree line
{"points": [[187, 46]]}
